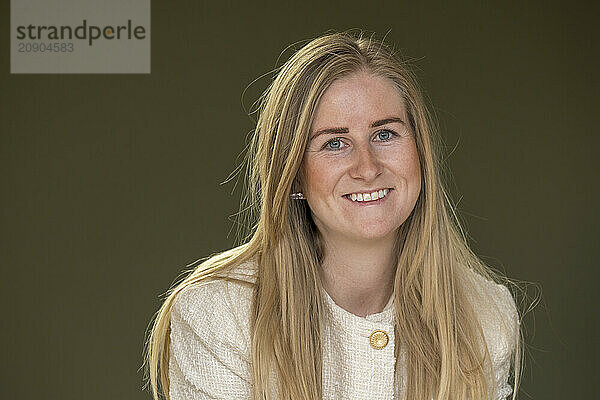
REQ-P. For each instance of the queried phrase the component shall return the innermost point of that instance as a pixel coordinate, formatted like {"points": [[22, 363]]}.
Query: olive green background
{"points": [[111, 183]]}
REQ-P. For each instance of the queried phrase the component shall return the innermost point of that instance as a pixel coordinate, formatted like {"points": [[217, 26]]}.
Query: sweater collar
{"points": [[349, 319]]}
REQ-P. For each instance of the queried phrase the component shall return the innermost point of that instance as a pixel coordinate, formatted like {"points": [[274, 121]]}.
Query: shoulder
{"points": [[497, 313], [225, 288], [218, 308], [209, 348]]}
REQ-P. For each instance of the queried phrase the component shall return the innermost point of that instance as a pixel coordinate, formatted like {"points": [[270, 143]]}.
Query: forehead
{"points": [[356, 98]]}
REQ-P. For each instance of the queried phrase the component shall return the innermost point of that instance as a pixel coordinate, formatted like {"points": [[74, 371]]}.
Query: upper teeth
{"points": [[369, 196]]}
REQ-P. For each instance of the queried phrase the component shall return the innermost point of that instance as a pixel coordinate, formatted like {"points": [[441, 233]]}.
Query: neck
{"points": [[359, 277]]}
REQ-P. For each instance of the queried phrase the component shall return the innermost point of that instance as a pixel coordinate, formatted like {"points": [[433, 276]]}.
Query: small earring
{"points": [[297, 196]]}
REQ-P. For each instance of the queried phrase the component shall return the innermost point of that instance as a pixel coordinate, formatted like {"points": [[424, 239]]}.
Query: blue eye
{"points": [[330, 143], [387, 135]]}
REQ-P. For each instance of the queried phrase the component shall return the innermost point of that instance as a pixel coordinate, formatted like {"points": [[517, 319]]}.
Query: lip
{"points": [[370, 202]]}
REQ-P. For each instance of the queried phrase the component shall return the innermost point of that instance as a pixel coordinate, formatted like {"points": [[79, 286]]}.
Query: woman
{"points": [[357, 282]]}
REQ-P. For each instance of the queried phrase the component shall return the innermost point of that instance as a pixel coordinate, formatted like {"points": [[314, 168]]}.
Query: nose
{"points": [[366, 165]]}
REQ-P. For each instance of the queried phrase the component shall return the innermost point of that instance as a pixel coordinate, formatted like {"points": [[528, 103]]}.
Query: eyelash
{"points": [[393, 134]]}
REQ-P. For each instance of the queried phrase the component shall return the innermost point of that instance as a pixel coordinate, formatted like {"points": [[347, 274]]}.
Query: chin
{"points": [[374, 234]]}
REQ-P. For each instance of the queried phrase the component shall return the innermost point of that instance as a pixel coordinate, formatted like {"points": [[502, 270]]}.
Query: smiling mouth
{"points": [[377, 196]]}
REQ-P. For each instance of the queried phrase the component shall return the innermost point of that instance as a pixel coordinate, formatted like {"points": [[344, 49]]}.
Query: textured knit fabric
{"points": [[210, 343]]}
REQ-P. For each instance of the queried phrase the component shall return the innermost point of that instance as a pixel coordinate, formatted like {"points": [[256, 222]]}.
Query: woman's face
{"points": [[360, 142]]}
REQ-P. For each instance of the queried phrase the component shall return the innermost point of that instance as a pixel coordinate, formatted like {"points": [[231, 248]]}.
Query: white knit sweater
{"points": [[210, 343]]}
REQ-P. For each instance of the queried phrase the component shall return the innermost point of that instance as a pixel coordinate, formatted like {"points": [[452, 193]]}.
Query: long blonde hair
{"points": [[438, 325]]}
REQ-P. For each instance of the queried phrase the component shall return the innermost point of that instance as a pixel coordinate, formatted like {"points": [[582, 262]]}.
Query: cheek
{"points": [[414, 166], [413, 171], [406, 163], [320, 175]]}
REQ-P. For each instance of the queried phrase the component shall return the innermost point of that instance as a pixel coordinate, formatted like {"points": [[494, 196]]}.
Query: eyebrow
{"points": [[345, 130]]}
